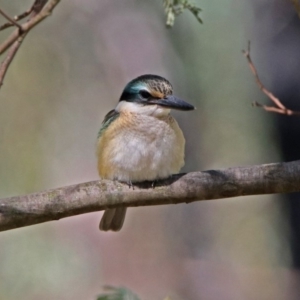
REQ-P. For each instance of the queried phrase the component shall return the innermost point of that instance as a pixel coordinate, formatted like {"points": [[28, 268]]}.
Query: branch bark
{"points": [[98, 195]]}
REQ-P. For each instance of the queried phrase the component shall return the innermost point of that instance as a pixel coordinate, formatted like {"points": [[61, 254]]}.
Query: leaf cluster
{"points": [[173, 8]]}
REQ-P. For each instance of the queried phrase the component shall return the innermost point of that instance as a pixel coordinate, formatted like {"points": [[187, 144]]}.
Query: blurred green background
{"points": [[68, 74]]}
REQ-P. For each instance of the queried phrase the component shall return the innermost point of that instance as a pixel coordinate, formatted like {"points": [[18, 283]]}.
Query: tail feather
{"points": [[113, 219]]}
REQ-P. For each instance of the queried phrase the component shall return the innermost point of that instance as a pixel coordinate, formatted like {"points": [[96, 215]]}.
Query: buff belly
{"points": [[141, 148]]}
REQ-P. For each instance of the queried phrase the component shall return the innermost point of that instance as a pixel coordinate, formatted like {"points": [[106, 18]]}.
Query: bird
{"points": [[139, 140]]}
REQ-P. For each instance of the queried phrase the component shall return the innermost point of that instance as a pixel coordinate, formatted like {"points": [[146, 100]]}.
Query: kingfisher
{"points": [[139, 140]]}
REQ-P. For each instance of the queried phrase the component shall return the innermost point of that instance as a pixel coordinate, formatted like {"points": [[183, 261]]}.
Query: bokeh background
{"points": [[71, 71]]}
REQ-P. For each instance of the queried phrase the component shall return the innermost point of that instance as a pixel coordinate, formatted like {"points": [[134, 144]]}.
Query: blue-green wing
{"points": [[108, 119]]}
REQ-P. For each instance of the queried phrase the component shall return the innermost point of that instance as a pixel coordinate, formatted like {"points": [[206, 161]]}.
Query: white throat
{"points": [[149, 110]]}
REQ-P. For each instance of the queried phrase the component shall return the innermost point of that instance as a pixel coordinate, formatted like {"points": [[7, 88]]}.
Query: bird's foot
{"points": [[130, 185], [153, 183]]}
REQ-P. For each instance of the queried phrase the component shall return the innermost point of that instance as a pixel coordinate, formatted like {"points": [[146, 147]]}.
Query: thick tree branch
{"points": [[98, 195]]}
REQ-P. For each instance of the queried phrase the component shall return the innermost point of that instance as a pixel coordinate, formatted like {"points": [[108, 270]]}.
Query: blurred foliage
{"points": [[115, 293], [173, 8], [120, 293], [297, 6]]}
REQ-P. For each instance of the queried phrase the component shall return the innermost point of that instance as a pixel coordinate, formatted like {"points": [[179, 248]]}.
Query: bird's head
{"points": [[151, 94]]}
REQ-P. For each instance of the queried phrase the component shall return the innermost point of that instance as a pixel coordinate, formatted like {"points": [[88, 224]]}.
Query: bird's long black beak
{"points": [[173, 103]]}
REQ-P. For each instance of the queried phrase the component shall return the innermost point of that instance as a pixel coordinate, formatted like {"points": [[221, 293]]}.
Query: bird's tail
{"points": [[113, 219]]}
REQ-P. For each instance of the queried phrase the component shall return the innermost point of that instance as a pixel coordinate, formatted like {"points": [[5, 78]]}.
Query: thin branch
{"points": [[36, 7], [275, 109], [9, 58], [40, 10], [6, 25], [98, 195], [17, 18], [29, 25], [278, 106], [11, 20]]}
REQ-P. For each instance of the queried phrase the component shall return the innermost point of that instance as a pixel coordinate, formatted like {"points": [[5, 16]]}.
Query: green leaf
{"points": [[173, 8]]}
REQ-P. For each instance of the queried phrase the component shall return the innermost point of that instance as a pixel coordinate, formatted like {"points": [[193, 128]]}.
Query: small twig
{"points": [[274, 109], [278, 106], [36, 7], [18, 18], [6, 25], [11, 20], [24, 14], [10, 56]]}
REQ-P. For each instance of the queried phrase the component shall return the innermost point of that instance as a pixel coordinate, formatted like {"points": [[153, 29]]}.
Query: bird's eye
{"points": [[145, 94]]}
